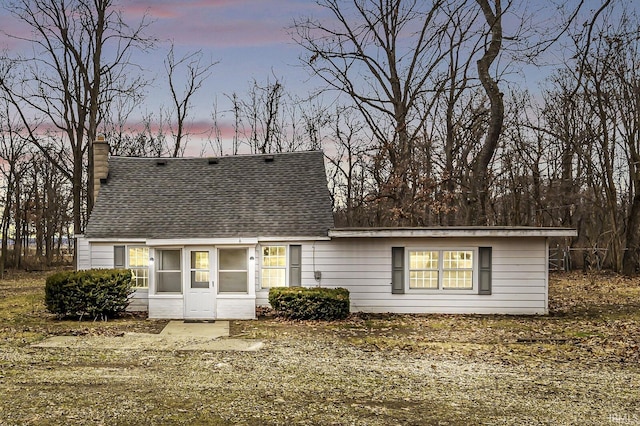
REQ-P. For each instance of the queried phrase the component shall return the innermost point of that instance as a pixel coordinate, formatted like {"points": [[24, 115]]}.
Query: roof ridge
{"points": [[312, 151]]}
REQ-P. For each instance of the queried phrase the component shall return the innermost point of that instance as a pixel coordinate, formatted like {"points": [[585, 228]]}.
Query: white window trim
{"points": [[156, 271], [247, 250], [440, 290], [128, 264], [286, 267]]}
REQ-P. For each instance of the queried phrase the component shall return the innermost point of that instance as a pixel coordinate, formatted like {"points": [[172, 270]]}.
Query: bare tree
{"points": [[215, 140], [480, 180], [578, 149], [197, 71], [13, 149], [267, 120], [263, 114], [146, 139], [612, 76], [390, 58], [455, 106], [347, 157], [236, 110], [82, 52]]}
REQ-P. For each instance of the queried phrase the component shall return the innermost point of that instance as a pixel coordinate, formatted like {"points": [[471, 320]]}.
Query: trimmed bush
{"points": [[96, 293], [300, 303]]}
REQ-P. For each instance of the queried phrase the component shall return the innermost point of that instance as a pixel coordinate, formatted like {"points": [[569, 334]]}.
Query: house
{"points": [[206, 238]]}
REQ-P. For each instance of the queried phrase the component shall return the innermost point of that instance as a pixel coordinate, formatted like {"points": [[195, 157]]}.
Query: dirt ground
{"points": [[579, 365]]}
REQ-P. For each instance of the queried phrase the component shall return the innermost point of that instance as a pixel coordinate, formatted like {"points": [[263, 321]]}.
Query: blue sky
{"points": [[250, 40]]}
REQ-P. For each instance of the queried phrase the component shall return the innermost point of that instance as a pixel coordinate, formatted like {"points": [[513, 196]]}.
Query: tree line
{"points": [[421, 108]]}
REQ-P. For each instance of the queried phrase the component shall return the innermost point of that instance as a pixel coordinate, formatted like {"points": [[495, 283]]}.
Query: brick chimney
{"points": [[100, 163]]}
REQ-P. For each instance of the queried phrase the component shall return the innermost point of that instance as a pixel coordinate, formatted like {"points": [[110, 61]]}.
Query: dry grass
{"points": [[24, 318], [579, 365]]}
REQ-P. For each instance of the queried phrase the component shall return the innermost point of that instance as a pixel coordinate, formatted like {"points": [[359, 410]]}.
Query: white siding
{"points": [[101, 256], [139, 301], [262, 295], [83, 253], [166, 307], [363, 266], [235, 307]]}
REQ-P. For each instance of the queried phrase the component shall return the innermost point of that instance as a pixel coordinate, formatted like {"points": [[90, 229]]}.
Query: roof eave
{"points": [[445, 232]]}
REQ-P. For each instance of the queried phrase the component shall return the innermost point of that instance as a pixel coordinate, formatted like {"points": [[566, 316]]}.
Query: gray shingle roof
{"points": [[191, 198]]}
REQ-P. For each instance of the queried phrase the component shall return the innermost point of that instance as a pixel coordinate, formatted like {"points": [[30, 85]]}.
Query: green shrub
{"points": [[315, 303], [96, 293]]}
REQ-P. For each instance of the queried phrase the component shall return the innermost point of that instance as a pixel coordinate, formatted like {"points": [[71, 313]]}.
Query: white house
{"points": [[207, 237]]}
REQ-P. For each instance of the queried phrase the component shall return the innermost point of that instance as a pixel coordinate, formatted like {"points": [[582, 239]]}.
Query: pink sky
{"points": [[249, 40], [221, 23]]}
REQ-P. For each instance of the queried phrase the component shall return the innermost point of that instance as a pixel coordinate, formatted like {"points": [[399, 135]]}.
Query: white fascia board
{"points": [[287, 239], [117, 240], [201, 241], [204, 241], [444, 233]]}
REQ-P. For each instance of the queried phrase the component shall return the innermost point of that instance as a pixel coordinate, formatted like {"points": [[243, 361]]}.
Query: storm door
{"points": [[200, 293]]}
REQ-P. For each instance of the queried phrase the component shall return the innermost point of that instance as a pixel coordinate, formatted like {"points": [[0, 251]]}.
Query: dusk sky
{"points": [[249, 39]]}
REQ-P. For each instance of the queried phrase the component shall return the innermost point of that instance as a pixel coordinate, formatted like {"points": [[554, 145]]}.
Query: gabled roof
{"points": [[236, 196]]}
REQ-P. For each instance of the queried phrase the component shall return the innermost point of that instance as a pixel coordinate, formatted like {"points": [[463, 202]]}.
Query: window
{"points": [[232, 270], [199, 269], [168, 271], [441, 269], [274, 264], [457, 269], [138, 263], [423, 269], [281, 266], [135, 259]]}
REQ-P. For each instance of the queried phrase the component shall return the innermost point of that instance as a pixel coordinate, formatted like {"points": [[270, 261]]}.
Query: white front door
{"points": [[200, 294]]}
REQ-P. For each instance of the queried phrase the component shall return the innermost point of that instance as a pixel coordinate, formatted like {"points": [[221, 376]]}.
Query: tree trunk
{"points": [[39, 203], [631, 258], [17, 246], [480, 183], [6, 217]]}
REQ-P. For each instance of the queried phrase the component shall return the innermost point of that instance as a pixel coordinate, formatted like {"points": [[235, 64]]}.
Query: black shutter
{"points": [[397, 270], [484, 270], [295, 265], [119, 258]]}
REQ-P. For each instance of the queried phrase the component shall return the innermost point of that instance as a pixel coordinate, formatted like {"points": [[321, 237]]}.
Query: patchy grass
{"points": [[578, 365], [594, 296], [594, 318], [24, 318]]}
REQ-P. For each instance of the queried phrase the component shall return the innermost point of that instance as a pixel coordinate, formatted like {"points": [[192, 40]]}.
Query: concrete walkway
{"points": [[176, 336], [211, 330]]}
